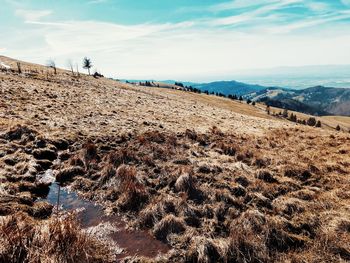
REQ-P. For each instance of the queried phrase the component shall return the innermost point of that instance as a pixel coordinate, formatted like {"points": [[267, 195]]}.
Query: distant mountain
{"points": [[294, 105], [333, 100], [229, 87], [317, 100], [225, 87]]}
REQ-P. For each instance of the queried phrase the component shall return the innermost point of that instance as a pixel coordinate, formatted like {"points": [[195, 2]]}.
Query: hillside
{"points": [[229, 87], [316, 100], [162, 175]]}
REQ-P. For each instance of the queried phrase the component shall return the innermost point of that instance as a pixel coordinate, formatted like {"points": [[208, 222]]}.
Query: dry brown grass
{"points": [[251, 189], [258, 205], [55, 240]]}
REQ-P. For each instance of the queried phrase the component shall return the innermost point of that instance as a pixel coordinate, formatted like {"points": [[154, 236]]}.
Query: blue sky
{"points": [[179, 39]]}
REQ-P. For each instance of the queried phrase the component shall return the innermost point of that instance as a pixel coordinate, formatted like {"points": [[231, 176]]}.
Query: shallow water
{"points": [[132, 242]]}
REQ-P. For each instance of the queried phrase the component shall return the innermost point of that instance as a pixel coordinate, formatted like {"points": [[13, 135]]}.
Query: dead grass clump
{"points": [[152, 136], [160, 152], [134, 194], [207, 250], [16, 233], [107, 173], [191, 134], [243, 181], [228, 149], [279, 240], [41, 210], [307, 224], [45, 154], [224, 195], [261, 162], [216, 131], [90, 151], [245, 157], [202, 139], [288, 206], [299, 174], [344, 226], [69, 173], [168, 225], [19, 132], [148, 160], [56, 240], [305, 194], [156, 210], [70, 244], [38, 189], [60, 144], [248, 238], [187, 183], [333, 240], [90, 154], [266, 176], [191, 213], [122, 156], [76, 161]]}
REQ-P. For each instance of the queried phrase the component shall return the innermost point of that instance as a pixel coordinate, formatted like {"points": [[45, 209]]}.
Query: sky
{"points": [[194, 40]]}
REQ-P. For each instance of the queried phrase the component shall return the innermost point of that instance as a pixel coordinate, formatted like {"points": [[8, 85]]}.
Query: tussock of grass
{"points": [[208, 250], [168, 225], [57, 240], [236, 196], [133, 192]]}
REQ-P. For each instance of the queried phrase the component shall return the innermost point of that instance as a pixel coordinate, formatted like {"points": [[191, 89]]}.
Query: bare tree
{"points": [[70, 65], [87, 64], [51, 64], [77, 66], [19, 67]]}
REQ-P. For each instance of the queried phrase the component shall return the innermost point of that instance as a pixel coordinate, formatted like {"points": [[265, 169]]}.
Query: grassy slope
{"points": [[256, 189]]}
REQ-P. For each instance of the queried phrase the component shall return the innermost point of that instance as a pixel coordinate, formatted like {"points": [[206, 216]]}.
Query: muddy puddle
{"points": [[93, 218]]}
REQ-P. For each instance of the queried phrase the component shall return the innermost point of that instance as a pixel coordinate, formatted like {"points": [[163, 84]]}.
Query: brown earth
{"points": [[217, 180]]}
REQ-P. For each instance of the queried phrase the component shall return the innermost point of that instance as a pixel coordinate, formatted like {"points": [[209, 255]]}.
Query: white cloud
{"points": [[97, 1], [236, 4], [179, 50], [194, 50], [318, 6], [32, 15]]}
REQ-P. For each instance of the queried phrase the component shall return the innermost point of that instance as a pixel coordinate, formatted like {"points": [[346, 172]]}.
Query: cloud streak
{"points": [[32, 15], [260, 36]]}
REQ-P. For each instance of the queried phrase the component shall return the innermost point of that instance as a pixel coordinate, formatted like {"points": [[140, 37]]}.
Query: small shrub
{"points": [[311, 121]]}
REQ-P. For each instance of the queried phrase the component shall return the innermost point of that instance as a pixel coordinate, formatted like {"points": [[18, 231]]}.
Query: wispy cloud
{"points": [[253, 14], [236, 4], [311, 22], [234, 35], [32, 15], [97, 1]]}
